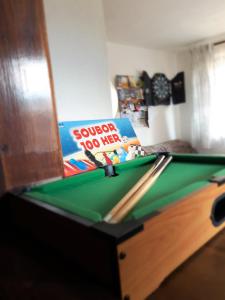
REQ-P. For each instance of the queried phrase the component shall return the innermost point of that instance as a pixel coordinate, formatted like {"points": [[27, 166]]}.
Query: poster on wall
{"points": [[131, 100], [87, 145]]}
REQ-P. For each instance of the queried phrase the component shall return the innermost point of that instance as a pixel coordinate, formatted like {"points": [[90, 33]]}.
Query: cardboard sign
{"points": [[87, 145]]}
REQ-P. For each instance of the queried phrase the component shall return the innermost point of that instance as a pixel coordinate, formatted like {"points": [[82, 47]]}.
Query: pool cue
{"points": [[136, 197], [122, 202]]}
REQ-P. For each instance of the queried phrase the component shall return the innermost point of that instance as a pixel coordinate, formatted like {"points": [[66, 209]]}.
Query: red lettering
{"points": [[92, 130], [89, 145], [105, 128], [77, 134], [84, 132], [104, 140], [96, 143], [116, 138], [98, 129], [110, 139], [83, 145], [112, 127]]}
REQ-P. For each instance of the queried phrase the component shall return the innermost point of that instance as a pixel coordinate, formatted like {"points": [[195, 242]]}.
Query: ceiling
{"points": [[163, 24]]}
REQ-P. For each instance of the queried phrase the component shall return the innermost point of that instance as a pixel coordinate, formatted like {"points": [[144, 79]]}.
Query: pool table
{"points": [[183, 210]]}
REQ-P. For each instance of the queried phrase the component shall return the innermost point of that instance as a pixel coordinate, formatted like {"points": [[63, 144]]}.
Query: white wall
{"points": [[127, 60], [76, 34], [78, 49], [184, 63]]}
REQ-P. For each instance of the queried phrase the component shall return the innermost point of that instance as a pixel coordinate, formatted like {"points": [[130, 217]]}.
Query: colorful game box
{"points": [[87, 145]]}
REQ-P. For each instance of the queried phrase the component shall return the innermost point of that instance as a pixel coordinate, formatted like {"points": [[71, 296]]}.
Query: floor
{"points": [[29, 270]]}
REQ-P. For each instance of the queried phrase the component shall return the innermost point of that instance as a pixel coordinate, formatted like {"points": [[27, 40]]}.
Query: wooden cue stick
{"points": [[122, 202], [136, 197]]}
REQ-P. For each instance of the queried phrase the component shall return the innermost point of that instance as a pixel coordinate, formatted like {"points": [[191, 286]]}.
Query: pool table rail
{"points": [[167, 241]]}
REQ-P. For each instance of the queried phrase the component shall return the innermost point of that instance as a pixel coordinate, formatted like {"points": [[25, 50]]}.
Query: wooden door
{"points": [[29, 141]]}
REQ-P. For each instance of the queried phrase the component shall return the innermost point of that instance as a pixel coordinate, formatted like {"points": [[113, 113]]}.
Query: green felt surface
{"points": [[92, 195]]}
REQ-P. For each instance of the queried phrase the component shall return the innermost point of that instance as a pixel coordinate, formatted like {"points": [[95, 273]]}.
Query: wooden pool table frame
{"points": [[133, 258]]}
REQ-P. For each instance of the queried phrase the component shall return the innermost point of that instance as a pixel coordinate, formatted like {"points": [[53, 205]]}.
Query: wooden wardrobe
{"points": [[29, 141]]}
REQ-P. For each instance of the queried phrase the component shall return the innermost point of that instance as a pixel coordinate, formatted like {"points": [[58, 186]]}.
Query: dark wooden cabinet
{"points": [[29, 141]]}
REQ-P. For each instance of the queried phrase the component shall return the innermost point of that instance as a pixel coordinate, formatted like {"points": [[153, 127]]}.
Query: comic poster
{"points": [[131, 100], [87, 145]]}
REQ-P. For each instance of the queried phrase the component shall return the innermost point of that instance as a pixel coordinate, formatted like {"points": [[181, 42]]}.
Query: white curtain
{"points": [[208, 94]]}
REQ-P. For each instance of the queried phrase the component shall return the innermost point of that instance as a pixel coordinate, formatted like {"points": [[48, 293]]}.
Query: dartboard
{"points": [[161, 87]]}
